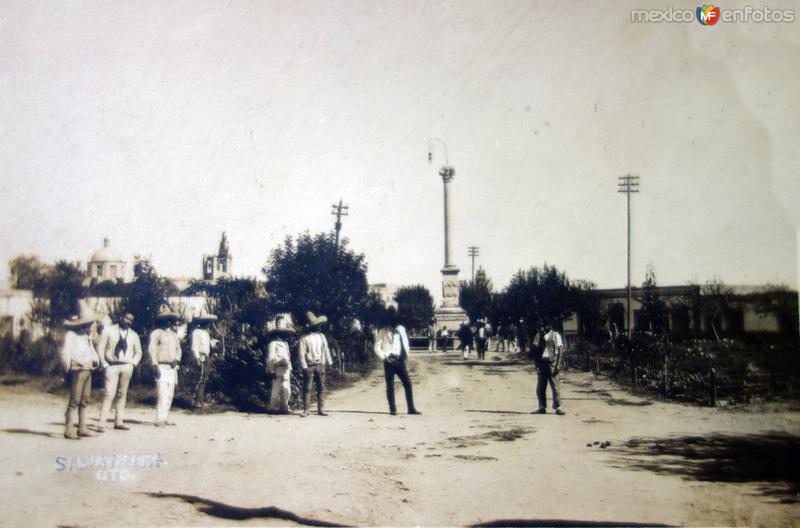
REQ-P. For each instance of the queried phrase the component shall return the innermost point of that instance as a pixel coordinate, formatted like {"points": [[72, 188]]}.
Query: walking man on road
{"points": [[391, 346], [315, 356], [164, 351], [550, 345], [481, 339], [120, 352]]}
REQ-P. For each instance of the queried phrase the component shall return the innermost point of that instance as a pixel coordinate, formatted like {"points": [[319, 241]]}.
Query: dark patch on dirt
{"points": [[770, 460], [629, 403], [508, 435]]}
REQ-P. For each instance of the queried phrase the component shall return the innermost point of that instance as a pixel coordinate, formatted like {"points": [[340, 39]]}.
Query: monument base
{"points": [[451, 318]]}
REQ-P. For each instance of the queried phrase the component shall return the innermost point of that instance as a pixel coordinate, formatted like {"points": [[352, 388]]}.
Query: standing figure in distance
{"points": [[78, 358], [279, 366], [550, 345], [465, 339], [432, 336], [120, 352], [164, 350], [201, 350], [481, 339], [315, 357], [391, 346]]}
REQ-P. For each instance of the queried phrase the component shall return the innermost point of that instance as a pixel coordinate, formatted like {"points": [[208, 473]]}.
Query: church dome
{"points": [[105, 253]]}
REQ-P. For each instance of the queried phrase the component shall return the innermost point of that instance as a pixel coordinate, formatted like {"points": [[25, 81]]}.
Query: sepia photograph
{"points": [[399, 263]]}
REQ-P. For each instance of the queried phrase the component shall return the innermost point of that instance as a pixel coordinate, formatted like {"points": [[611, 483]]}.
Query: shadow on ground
{"points": [[771, 460], [556, 522], [34, 433], [226, 511]]}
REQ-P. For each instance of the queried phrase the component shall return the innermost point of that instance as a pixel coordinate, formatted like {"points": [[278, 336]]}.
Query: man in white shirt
{"points": [[315, 356], [279, 366], [391, 346], [201, 350], [79, 358], [164, 351], [551, 345], [120, 351]]}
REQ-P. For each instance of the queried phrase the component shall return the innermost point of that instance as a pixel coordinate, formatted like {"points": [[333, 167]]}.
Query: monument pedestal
{"points": [[450, 314]]}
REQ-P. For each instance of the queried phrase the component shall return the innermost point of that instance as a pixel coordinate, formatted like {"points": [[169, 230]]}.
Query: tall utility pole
{"points": [[629, 184], [339, 211], [474, 251]]}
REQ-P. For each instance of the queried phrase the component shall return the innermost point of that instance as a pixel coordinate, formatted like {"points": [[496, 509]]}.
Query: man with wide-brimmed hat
{"points": [[279, 365], [201, 350], [315, 356], [392, 347], [79, 358], [164, 351], [120, 351]]}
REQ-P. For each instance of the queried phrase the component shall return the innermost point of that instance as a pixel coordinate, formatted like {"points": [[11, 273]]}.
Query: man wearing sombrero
{"points": [[78, 358], [120, 351], [279, 366], [201, 350], [164, 351], [315, 356]]}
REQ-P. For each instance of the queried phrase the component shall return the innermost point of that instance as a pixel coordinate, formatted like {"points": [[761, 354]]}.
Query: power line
{"points": [[628, 184], [474, 251], [339, 210]]}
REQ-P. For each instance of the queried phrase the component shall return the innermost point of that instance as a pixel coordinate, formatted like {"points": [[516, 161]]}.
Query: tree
{"points": [[145, 295], [653, 310], [537, 296], [586, 302], [309, 274], [57, 294], [414, 306], [475, 296], [715, 299], [28, 272]]}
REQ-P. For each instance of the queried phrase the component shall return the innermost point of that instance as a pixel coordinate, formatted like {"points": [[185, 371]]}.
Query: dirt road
{"points": [[476, 455]]}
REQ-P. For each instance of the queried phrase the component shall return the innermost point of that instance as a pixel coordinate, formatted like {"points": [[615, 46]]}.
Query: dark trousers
{"points": [[318, 373], [389, 371], [544, 370], [481, 344], [205, 372]]}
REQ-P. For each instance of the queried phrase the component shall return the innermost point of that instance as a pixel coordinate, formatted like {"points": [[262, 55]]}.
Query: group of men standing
{"points": [[118, 352]]}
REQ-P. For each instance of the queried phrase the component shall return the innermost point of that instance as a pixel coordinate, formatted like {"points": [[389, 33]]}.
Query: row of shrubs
{"points": [[699, 371]]}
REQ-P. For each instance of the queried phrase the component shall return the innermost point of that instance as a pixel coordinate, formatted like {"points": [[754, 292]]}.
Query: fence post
{"points": [[713, 380], [666, 373]]}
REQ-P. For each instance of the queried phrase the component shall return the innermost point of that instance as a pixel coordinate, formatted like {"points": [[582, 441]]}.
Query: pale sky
{"points": [[161, 124]]}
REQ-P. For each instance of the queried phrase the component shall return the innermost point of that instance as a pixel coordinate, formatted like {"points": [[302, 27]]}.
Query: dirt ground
{"points": [[475, 456]]}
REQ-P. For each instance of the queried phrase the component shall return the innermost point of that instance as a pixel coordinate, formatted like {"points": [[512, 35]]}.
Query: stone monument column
{"points": [[450, 314]]}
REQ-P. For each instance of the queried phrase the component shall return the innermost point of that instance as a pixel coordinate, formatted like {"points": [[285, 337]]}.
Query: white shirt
{"points": [[78, 353], [201, 343], [314, 350], [278, 358], [390, 342], [553, 343], [107, 348], [164, 347]]}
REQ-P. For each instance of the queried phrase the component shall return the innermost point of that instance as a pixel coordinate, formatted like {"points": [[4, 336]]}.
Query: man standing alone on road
{"points": [[551, 345], [315, 356], [391, 346], [164, 350], [120, 351]]}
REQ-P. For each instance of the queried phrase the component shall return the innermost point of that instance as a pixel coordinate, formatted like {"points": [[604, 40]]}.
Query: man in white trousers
{"points": [[164, 350], [120, 351], [279, 366]]}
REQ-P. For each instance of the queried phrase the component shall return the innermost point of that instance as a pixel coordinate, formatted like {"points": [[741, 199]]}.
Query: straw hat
{"points": [[313, 320], [85, 317], [205, 317], [281, 327], [165, 312]]}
